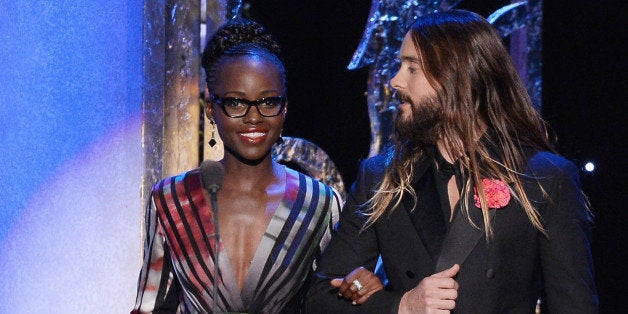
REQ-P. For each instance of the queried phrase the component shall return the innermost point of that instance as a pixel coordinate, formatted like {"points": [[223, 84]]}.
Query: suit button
{"points": [[410, 274], [490, 273]]}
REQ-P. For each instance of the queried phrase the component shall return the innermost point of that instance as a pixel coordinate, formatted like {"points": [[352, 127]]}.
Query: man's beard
{"points": [[422, 127]]}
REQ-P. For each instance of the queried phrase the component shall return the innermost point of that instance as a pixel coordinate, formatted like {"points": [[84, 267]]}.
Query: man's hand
{"points": [[358, 286], [434, 294]]}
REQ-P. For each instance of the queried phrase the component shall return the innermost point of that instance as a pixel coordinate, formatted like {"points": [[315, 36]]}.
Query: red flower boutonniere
{"points": [[497, 194]]}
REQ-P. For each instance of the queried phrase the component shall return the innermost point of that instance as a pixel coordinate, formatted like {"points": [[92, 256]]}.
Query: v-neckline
{"points": [[259, 258]]}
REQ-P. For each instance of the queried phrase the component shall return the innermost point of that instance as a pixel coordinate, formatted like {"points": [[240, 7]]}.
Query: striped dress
{"points": [[179, 252]]}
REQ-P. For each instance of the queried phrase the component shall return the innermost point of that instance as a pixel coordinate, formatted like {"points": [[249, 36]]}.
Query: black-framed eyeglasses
{"points": [[238, 108]]}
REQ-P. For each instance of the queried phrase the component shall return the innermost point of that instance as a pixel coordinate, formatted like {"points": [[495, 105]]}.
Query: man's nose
{"points": [[394, 82]]}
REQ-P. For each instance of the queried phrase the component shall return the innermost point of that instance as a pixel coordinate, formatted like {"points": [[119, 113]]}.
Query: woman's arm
{"points": [[358, 286], [350, 247], [157, 287]]}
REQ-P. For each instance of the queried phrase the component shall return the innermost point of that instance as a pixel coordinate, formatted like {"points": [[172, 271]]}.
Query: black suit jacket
{"points": [[504, 275]]}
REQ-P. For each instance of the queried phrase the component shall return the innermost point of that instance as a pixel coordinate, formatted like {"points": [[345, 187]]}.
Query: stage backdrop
{"points": [[70, 155]]}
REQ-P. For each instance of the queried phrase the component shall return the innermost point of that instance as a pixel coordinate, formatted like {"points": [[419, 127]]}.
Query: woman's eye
{"points": [[271, 103], [231, 103]]}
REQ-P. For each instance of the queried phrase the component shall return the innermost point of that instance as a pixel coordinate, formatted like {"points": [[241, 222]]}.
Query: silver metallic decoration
{"points": [[171, 97], [386, 26], [388, 23], [181, 89], [152, 98], [523, 22], [311, 159], [509, 18], [214, 13]]}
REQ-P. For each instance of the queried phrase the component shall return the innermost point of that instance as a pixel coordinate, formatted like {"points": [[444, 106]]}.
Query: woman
{"points": [[273, 221]]}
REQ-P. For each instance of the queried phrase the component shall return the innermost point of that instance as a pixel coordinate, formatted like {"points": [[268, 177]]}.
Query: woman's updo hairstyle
{"points": [[240, 37]]}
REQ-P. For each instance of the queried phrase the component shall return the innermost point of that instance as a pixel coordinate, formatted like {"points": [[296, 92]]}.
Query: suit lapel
{"points": [[462, 236], [410, 253], [405, 246]]}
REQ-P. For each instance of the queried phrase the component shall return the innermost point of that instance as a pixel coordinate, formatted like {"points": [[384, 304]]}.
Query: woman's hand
{"points": [[358, 286]]}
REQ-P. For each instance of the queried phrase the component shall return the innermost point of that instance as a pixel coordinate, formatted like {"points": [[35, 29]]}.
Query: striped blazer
{"points": [[178, 272]]}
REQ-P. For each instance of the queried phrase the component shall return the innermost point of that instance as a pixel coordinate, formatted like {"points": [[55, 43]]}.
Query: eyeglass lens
{"points": [[267, 107]]}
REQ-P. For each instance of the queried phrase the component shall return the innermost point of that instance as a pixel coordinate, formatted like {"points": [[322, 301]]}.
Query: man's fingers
{"points": [[336, 282], [441, 304], [437, 283], [443, 294]]}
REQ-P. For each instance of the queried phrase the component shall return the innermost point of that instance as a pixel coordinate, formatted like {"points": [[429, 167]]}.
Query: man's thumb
{"points": [[450, 272]]}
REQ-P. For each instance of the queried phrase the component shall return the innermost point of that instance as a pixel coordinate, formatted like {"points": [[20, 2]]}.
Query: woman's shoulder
{"points": [[297, 180], [190, 176], [299, 176]]}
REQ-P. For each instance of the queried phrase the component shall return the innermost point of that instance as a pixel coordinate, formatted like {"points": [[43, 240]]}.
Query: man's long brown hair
{"points": [[479, 90]]}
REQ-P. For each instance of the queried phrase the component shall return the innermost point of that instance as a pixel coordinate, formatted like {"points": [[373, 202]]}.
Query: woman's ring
{"points": [[357, 284]]}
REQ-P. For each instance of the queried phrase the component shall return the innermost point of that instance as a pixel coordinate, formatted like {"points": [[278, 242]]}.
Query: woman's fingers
{"points": [[358, 286]]}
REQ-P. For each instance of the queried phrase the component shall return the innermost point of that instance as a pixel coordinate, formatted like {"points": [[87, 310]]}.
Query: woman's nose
{"points": [[253, 115]]}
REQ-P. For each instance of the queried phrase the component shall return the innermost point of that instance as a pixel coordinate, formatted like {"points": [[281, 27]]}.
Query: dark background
{"points": [[584, 91]]}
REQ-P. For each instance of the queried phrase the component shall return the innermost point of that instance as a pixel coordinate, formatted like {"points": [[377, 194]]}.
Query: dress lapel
{"points": [[262, 255], [264, 249], [200, 205], [228, 287]]}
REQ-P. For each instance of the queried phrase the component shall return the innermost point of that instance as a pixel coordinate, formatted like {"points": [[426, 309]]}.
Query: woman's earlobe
{"points": [[208, 110]]}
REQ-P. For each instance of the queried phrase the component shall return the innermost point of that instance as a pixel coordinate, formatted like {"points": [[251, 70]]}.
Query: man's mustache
{"points": [[401, 97]]}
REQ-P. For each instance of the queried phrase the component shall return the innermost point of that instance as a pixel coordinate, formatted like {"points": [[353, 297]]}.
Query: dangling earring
{"points": [[212, 141], [279, 139]]}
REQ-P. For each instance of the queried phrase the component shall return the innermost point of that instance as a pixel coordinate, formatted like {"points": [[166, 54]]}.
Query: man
{"points": [[470, 210]]}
